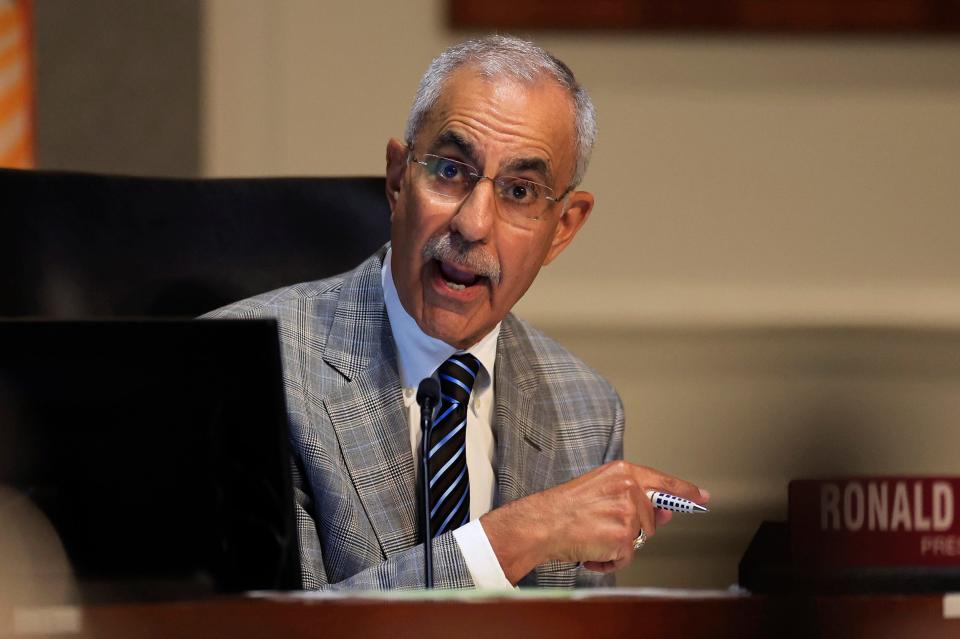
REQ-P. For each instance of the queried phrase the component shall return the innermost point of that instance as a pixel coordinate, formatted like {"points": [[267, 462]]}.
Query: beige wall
{"points": [[741, 182], [117, 86], [738, 178]]}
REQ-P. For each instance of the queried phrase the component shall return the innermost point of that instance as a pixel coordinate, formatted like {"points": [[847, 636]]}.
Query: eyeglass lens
{"points": [[519, 198]]}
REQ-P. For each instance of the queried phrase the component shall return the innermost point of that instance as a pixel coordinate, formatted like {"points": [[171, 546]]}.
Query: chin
{"points": [[454, 336], [452, 330]]}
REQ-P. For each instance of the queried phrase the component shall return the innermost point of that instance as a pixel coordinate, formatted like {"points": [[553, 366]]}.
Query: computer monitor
{"points": [[157, 449]]}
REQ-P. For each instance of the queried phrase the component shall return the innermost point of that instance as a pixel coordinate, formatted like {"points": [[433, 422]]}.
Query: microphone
{"points": [[428, 396]]}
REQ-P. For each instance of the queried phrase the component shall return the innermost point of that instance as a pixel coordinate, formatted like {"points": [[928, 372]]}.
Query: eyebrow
{"points": [[452, 138], [535, 164], [516, 165]]}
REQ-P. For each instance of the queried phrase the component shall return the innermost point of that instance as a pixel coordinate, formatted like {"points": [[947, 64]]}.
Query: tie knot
{"points": [[457, 376]]}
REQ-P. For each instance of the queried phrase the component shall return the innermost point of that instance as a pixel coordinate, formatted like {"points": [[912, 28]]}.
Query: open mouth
{"points": [[457, 278]]}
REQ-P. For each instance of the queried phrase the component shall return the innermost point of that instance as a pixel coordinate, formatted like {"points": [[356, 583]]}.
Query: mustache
{"points": [[455, 250]]}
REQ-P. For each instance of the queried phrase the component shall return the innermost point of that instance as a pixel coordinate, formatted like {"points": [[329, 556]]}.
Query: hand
{"points": [[591, 519]]}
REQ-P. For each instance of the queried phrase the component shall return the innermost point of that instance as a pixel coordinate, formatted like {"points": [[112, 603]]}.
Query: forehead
{"points": [[504, 119]]}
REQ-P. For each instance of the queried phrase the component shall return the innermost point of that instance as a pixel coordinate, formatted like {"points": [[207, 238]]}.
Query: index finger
{"points": [[652, 479]]}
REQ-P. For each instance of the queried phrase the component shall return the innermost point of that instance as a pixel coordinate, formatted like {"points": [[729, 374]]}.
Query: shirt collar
{"points": [[419, 354]]}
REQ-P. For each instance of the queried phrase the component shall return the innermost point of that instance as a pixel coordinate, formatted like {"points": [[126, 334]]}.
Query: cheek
{"points": [[419, 219], [412, 226], [520, 271], [405, 227]]}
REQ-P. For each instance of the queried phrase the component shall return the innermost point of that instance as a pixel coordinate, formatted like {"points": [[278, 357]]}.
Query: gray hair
{"points": [[499, 56]]}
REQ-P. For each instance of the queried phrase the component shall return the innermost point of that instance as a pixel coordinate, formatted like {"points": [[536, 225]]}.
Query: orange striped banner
{"points": [[16, 91]]}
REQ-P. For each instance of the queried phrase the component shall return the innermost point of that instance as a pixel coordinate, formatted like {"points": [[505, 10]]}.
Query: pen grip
{"points": [[666, 501]]}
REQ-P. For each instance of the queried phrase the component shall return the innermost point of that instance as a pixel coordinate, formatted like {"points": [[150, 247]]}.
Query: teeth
{"points": [[454, 285]]}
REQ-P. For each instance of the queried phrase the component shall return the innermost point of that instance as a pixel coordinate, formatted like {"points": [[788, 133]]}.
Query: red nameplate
{"points": [[875, 521]]}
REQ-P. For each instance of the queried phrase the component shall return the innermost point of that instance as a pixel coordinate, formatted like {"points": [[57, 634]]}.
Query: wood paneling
{"points": [[774, 16]]}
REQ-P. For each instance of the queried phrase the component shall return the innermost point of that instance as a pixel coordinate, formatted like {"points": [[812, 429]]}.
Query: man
{"points": [[523, 472]]}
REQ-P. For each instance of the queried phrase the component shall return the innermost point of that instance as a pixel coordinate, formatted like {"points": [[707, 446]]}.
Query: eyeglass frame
{"points": [[476, 176]]}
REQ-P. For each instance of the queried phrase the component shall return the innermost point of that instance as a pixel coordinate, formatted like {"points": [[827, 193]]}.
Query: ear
{"points": [[579, 206], [396, 167]]}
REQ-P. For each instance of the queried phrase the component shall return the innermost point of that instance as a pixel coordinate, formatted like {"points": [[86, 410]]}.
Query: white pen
{"points": [[666, 501]]}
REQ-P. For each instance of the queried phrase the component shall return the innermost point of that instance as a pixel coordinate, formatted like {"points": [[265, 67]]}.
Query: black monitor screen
{"points": [[157, 449]]}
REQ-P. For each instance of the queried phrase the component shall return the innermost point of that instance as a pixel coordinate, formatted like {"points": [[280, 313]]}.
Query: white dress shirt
{"points": [[418, 356]]}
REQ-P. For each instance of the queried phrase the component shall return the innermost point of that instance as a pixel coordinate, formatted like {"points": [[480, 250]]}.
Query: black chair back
{"points": [[76, 245]]}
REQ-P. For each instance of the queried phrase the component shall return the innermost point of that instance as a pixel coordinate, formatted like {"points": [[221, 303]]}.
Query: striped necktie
{"points": [[449, 481]]}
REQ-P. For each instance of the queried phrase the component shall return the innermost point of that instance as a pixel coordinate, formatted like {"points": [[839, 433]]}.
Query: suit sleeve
{"points": [[615, 446], [588, 578]]}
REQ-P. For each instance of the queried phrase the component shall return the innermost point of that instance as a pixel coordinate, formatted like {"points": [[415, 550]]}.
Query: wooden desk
{"points": [[875, 617]]}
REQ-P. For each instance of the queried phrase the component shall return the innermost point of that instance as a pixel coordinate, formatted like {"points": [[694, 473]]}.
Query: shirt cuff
{"points": [[479, 556]]}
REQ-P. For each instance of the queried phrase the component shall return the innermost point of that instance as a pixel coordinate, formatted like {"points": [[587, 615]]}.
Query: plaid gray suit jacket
{"points": [[354, 476]]}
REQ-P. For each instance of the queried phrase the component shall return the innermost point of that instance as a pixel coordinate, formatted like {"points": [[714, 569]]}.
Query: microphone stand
{"points": [[428, 395]]}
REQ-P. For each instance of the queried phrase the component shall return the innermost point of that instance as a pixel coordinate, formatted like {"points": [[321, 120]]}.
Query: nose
{"points": [[475, 215]]}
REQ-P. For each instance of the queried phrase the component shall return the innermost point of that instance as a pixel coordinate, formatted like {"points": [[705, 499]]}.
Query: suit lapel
{"points": [[523, 420], [367, 410]]}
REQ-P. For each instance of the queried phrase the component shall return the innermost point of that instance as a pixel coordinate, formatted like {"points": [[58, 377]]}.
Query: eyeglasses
{"points": [[522, 202]]}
